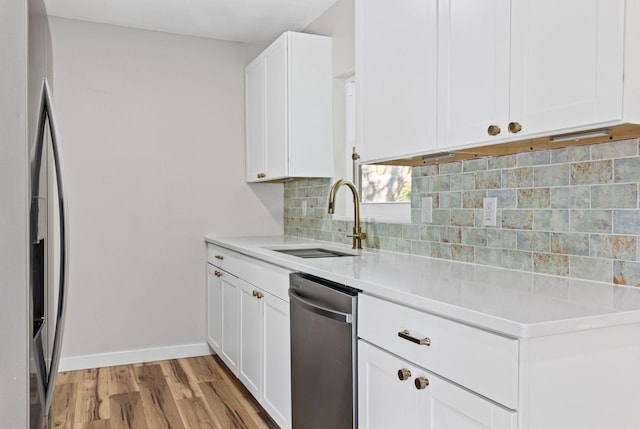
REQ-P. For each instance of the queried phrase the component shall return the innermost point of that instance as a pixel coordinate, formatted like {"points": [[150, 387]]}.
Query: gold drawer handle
{"points": [[404, 374], [219, 257], [257, 294], [421, 383], [493, 130], [406, 335], [261, 175], [217, 273]]}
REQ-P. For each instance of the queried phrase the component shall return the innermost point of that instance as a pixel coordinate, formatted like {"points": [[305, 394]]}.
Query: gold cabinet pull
{"points": [[254, 293], [421, 383], [406, 335], [260, 295], [219, 257], [261, 175], [493, 130], [217, 273], [404, 374], [514, 127]]}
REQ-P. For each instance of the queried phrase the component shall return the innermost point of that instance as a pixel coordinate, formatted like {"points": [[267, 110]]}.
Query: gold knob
{"points": [[421, 383], [254, 293], [217, 273], [404, 374], [219, 257], [493, 130], [261, 175], [260, 295], [514, 127]]}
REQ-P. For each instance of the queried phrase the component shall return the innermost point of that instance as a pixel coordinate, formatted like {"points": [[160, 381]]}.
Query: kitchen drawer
{"points": [[223, 258], [481, 361]]}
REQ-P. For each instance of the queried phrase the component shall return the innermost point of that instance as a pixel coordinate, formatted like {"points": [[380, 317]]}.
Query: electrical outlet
{"points": [[489, 211], [304, 207], [427, 209]]}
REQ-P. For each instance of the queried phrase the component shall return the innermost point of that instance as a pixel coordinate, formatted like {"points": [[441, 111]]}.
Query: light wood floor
{"points": [[192, 393]]}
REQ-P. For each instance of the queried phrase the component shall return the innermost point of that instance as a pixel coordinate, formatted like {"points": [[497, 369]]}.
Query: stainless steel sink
{"points": [[315, 252]]}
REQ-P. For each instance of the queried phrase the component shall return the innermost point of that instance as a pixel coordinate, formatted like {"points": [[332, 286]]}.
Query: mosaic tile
{"points": [[534, 198], [463, 182], [387, 243], [500, 162], [430, 233], [551, 220], [473, 199], [517, 178], [450, 200], [440, 183], [614, 196], [474, 236], [462, 253], [441, 250], [570, 154], [450, 234], [474, 164], [570, 243], [626, 273], [613, 247], [441, 217], [451, 167], [420, 185], [394, 230], [421, 248], [590, 268], [571, 197], [411, 232], [547, 263], [403, 246], [516, 260], [552, 175], [590, 221], [488, 256], [626, 222], [619, 149], [507, 198], [488, 179], [626, 170], [517, 219], [502, 238], [462, 217], [533, 241], [540, 157], [592, 173]]}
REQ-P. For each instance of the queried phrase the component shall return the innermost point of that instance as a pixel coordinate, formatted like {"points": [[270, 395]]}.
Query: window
{"points": [[385, 190]]}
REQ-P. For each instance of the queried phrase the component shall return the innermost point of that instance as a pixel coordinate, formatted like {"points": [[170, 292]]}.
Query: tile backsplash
{"points": [[570, 212]]}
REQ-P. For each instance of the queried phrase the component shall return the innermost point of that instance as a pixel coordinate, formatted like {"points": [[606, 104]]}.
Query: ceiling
{"points": [[253, 21]]}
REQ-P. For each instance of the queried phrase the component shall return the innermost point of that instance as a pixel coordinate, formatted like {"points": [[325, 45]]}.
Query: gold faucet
{"points": [[357, 235]]}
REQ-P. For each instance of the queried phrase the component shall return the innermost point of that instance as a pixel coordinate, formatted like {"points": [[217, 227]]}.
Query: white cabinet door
{"points": [[230, 321], [276, 392], [255, 117], [473, 70], [385, 401], [395, 77], [567, 62], [276, 121], [250, 363], [214, 308]]}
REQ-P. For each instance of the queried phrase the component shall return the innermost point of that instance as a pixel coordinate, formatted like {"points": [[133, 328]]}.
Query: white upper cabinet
{"points": [[395, 77], [566, 63], [288, 91], [473, 70]]}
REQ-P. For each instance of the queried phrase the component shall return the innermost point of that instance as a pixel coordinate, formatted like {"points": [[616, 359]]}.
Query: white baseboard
{"points": [[133, 356]]}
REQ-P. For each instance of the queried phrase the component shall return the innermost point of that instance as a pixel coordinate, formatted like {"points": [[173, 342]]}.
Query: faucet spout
{"points": [[357, 235]]}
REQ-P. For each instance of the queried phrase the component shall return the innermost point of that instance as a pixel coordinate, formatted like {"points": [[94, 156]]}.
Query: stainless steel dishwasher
{"points": [[323, 353]]}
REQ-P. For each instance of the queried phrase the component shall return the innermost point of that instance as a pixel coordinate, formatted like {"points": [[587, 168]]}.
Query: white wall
{"points": [[153, 140]]}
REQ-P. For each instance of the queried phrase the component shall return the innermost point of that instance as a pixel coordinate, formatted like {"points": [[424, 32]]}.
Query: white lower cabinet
{"points": [[394, 393], [248, 326]]}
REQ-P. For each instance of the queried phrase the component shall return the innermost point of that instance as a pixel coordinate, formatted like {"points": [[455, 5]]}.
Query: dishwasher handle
{"points": [[319, 309]]}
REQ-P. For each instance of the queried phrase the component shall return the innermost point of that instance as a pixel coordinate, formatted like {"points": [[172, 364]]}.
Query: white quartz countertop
{"points": [[513, 303]]}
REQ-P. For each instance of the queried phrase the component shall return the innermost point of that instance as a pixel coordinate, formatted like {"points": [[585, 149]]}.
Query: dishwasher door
{"points": [[323, 353]]}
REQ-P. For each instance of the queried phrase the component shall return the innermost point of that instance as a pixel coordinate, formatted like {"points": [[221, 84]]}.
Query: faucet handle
{"points": [[360, 235]]}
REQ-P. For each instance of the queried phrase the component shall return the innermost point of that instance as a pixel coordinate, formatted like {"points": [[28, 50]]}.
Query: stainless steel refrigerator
{"points": [[33, 220]]}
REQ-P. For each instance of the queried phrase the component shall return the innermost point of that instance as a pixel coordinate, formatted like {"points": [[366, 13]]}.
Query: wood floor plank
{"points": [[178, 380], [159, 405], [87, 407], [229, 406], [201, 368], [97, 424], [65, 405], [122, 380], [196, 414], [127, 411]]}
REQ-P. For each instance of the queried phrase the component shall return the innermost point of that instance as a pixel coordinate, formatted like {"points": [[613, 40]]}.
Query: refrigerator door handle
{"points": [[47, 110]]}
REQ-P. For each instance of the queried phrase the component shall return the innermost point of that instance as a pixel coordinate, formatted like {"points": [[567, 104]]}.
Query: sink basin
{"points": [[315, 252]]}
